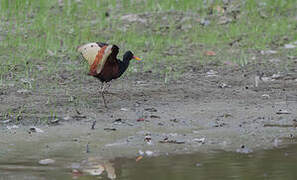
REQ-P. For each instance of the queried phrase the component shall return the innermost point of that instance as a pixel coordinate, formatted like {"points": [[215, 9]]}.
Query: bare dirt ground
{"points": [[208, 108]]}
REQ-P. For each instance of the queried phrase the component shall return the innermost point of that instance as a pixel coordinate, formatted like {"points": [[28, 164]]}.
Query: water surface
{"points": [[269, 164]]}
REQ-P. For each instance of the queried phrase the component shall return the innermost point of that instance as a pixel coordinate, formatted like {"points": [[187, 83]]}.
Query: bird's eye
{"points": [[91, 45]]}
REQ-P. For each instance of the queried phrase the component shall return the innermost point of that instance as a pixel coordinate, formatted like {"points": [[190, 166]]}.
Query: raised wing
{"points": [[89, 51], [101, 44], [95, 55], [113, 56]]}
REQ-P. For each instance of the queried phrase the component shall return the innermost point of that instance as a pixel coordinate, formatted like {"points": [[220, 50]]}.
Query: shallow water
{"points": [[269, 164]]}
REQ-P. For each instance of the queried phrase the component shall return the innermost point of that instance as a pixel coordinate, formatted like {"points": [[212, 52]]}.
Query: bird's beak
{"points": [[136, 58]]}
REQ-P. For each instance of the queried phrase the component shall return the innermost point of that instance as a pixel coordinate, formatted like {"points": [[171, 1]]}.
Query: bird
{"points": [[103, 62]]}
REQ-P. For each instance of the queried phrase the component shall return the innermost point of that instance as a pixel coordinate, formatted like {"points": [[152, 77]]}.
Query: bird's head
{"points": [[129, 55]]}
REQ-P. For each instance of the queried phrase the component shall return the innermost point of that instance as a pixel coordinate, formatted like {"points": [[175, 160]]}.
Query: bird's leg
{"points": [[102, 94], [108, 87], [108, 84]]}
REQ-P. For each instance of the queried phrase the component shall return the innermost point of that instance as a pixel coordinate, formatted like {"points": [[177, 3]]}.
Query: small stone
{"points": [[23, 91], [289, 46], [160, 124], [155, 116], [276, 76], [54, 121], [133, 18], [148, 139], [95, 170], [200, 140], [46, 161], [110, 129], [75, 165], [223, 85], [35, 129], [151, 109], [243, 149], [140, 152], [12, 127], [198, 164], [266, 96], [268, 52], [265, 79], [274, 60], [211, 73], [174, 120], [67, 118], [149, 153], [204, 22], [5, 121], [224, 20], [186, 27], [283, 112]]}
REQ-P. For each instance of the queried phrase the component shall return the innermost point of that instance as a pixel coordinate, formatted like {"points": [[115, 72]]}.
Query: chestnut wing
{"points": [[95, 55]]}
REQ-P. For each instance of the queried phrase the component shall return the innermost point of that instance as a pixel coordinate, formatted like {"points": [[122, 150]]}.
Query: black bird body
{"points": [[114, 67], [111, 66], [103, 61]]}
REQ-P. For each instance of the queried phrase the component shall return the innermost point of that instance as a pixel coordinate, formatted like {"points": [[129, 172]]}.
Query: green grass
{"points": [[38, 40], [45, 33]]}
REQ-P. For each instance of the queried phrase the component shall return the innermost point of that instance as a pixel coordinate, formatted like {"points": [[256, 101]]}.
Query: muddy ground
{"points": [[208, 108]]}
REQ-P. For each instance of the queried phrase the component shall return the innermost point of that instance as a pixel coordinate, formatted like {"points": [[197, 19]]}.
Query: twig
{"points": [[93, 125], [87, 148]]}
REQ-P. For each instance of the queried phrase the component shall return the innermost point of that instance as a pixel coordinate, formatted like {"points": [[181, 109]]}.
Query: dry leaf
{"points": [[219, 9], [140, 119], [209, 53], [139, 158]]}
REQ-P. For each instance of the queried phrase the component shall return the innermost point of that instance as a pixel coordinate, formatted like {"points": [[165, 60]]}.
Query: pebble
{"points": [[198, 164], [35, 129], [149, 153], [289, 46], [46, 161], [12, 127], [199, 140]]}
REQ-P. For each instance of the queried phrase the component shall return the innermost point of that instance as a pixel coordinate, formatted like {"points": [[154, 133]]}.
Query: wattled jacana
{"points": [[103, 62]]}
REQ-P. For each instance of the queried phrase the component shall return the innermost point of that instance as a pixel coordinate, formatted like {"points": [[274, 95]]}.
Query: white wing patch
{"points": [[90, 50]]}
